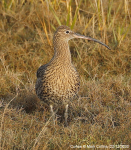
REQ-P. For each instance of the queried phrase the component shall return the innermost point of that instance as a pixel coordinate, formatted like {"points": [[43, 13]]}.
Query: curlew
{"points": [[58, 81]]}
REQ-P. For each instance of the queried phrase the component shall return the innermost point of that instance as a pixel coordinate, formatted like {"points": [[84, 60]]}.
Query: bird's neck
{"points": [[62, 52]]}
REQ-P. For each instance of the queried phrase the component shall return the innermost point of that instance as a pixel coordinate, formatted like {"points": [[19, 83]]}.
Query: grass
{"points": [[101, 115]]}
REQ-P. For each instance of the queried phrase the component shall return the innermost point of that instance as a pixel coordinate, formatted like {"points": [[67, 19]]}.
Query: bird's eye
{"points": [[67, 32]]}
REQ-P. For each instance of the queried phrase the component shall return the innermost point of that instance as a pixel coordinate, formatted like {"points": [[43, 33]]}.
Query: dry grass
{"points": [[101, 115]]}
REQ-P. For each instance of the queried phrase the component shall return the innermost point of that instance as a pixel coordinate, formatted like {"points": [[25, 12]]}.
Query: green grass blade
{"points": [[75, 17]]}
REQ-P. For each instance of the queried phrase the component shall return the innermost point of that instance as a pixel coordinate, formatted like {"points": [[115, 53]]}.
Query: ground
{"points": [[100, 115]]}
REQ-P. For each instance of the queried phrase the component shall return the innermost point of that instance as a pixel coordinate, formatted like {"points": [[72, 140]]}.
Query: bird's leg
{"points": [[66, 115], [53, 113]]}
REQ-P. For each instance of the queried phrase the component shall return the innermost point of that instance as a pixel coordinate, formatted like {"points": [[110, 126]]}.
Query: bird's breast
{"points": [[61, 82]]}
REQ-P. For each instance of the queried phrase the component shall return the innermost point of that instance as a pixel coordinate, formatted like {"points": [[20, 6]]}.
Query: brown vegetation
{"points": [[101, 115]]}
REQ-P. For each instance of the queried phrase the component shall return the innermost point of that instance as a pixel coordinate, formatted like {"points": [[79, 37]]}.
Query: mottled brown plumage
{"points": [[58, 81]]}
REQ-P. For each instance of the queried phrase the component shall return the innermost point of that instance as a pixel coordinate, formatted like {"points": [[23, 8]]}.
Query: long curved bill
{"points": [[76, 35]]}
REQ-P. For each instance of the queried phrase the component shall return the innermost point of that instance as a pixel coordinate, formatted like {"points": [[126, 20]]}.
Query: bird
{"points": [[58, 81]]}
